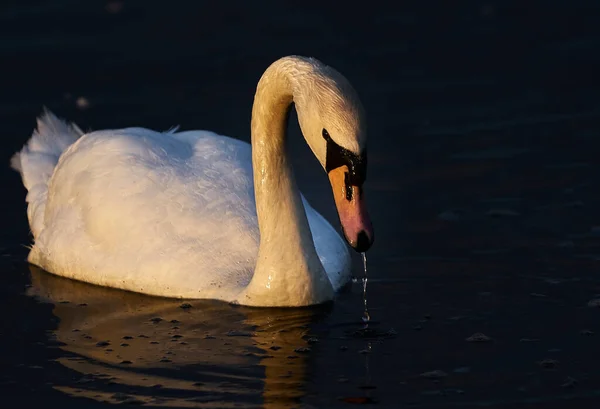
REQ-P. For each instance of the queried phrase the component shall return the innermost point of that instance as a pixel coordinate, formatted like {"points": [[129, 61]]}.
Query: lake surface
{"points": [[484, 280]]}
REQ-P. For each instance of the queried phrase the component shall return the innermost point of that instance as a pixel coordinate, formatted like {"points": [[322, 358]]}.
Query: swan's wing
{"points": [[133, 206]]}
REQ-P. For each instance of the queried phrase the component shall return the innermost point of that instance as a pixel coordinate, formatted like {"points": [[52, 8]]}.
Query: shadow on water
{"points": [[130, 348]]}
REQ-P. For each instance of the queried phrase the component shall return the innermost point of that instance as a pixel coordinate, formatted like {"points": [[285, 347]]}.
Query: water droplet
{"points": [[366, 317]]}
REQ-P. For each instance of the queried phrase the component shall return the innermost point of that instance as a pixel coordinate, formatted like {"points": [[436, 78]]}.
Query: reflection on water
{"points": [[139, 349]]}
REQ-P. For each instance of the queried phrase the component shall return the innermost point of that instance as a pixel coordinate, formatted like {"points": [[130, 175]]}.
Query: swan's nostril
{"points": [[363, 243]]}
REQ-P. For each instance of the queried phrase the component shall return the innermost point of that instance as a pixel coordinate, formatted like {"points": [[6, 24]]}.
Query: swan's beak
{"points": [[352, 210]]}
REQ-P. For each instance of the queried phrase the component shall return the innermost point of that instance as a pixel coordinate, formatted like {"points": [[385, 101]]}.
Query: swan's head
{"points": [[332, 120]]}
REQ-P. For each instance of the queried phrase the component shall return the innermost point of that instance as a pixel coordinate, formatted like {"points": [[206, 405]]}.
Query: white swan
{"points": [[179, 214]]}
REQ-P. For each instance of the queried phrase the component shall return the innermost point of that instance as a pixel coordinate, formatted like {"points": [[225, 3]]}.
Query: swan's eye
{"points": [[325, 134], [348, 186]]}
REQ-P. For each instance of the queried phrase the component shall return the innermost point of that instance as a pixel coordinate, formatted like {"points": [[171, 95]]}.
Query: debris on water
{"points": [[185, 306], [478, 337], [121, 396], [435, 374], [569, 382], [102, 343], [594, 303], [156, 320], [586, 332], [82, 103], [548, 363], [234, 333]]}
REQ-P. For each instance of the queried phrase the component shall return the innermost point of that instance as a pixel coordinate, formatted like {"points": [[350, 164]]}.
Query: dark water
{"points": [[483, 189]]}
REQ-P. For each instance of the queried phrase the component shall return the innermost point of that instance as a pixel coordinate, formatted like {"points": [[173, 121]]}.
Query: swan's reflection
{"points": [[132, 347]]}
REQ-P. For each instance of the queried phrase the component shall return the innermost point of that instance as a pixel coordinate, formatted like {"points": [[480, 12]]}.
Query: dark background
{"points": [[483, 182]]}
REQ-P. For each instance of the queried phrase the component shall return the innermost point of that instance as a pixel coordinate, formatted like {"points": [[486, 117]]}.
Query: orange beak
{"points": [[352, 210]]}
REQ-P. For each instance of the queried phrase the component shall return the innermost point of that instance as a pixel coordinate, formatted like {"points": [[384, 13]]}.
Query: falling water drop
{"points": [[366, 317]]}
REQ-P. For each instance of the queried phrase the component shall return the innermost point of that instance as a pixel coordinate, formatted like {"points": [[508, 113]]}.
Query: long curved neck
{"points": [[288, 271]]}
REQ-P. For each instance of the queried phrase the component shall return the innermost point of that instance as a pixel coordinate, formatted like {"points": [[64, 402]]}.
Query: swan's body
{"points": [[174, 214]]}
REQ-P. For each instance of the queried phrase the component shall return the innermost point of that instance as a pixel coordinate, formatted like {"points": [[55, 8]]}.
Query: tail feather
{"points": [[37, 160]]}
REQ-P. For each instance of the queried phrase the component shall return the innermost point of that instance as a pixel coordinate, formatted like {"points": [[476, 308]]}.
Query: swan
{"points": [[195, 214]]}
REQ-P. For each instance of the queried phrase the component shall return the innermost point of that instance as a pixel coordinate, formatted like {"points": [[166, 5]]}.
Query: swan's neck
{"points": [[288, 271]]}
